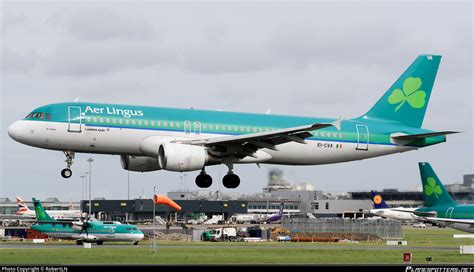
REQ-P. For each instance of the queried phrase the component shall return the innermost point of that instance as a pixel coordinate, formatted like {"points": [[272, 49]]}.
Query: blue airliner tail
{"points": [[280, 212], [378, 201]]}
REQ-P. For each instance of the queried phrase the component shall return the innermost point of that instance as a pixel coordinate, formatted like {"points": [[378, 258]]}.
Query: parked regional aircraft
{"points": [[382, 209], [272, 217], [84, 231], [257, 218], [439, 206], [153, 138], [23, 210]]}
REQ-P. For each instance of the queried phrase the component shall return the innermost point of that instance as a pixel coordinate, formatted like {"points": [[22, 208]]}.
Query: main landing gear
{"points": [[66, 172], [203, 180], [231, 180]]}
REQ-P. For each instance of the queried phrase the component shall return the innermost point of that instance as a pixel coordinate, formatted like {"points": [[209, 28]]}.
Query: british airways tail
{"points": [[22, 207], [378, 201]]}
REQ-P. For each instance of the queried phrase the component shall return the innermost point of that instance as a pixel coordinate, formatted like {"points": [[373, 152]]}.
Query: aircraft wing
{"points": [[451, 220], [246, 145], [418, 213]]}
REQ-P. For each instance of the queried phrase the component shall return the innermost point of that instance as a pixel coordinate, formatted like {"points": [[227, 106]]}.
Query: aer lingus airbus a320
{"points": [[155, 138]]}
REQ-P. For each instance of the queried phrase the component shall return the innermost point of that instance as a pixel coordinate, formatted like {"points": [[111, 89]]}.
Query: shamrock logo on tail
{"points": [[410, 93], [431, 187]]}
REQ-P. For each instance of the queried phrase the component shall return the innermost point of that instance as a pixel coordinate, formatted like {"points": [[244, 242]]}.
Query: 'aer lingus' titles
{"points": [[114, 111]]}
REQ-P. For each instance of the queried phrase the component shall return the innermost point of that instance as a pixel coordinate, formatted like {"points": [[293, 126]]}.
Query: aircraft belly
{"points": [[462, 227], [325, 152], [117, 237]]}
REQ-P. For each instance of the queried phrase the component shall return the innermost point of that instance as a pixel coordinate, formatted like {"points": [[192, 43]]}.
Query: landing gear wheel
{"points": [[78, 242], [231, 181], [99, 243], [66, 173], [203, 180], [135, 243]]}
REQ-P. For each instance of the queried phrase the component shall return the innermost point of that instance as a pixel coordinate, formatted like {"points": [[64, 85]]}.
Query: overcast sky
{"points": [[322, 59]]}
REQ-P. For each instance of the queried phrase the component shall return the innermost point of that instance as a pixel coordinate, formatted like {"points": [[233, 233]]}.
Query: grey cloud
{"points": [[99, 24], [10, 21], [86, 58], [16, 62]]}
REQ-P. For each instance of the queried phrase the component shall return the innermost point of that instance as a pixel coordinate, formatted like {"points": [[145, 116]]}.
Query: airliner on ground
{"points": [[271, 218], [439, 207], [23, 210], [382, 209], [84, 231], [154, 138]]}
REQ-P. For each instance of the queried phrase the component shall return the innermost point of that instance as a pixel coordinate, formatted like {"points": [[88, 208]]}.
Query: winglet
{"points": [[337, 123]]}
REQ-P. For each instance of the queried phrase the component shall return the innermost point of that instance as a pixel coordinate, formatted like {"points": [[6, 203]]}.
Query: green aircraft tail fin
{"points": [[434, 193], [41, 214], [406, 100]]}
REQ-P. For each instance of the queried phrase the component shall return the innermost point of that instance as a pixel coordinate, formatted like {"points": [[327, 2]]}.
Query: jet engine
{"points": [[139, 163], [182, 157]]}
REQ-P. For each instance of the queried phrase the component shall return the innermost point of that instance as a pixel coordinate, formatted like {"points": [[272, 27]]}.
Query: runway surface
{"points": [[235, 247]]}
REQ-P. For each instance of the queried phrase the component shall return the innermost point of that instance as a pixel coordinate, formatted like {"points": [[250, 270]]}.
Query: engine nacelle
{"points": [[182, 157], [139, 164]]}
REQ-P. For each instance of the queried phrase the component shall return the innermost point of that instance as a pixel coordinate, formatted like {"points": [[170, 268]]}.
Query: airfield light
{"points": [[90, 160]]}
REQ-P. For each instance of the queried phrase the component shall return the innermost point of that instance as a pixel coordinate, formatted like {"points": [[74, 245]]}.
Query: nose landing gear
{"points": [[66, 172]]}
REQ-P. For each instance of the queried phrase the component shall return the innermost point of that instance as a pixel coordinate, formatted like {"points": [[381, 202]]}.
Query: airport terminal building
{"points": [[300, 200]]}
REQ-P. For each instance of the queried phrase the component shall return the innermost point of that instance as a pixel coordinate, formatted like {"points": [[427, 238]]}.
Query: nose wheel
{"points": [[67, 172], [203, 180]]}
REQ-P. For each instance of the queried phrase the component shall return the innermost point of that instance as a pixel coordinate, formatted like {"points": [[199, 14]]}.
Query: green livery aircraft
{"points": [[156, 138], [84, 231], [439, 207]]}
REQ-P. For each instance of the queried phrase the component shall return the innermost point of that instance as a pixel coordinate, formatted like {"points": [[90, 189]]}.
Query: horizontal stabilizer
{"points": [[411, 137]]}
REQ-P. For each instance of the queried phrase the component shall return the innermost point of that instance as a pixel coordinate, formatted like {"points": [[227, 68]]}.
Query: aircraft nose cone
{"points": [[15, 131]]}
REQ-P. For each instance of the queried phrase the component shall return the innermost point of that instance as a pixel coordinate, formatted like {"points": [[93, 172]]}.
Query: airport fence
{"points": [[383, 228]]}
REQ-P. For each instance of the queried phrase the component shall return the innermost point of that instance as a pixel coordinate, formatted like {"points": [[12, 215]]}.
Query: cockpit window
{"points": [[38, 116]]}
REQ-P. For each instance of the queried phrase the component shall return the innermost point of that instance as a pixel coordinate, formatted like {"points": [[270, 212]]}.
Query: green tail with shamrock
{"points": [[406, 101], [41, 214], [434, 193]]}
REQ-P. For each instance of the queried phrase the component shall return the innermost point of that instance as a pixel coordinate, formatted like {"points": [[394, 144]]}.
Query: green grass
{"points": [[256, 253]]}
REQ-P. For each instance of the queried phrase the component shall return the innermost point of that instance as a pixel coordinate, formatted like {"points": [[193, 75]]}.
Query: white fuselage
{"points": [[124, 237], [55, 214], [126, 141], [404, 214]]}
